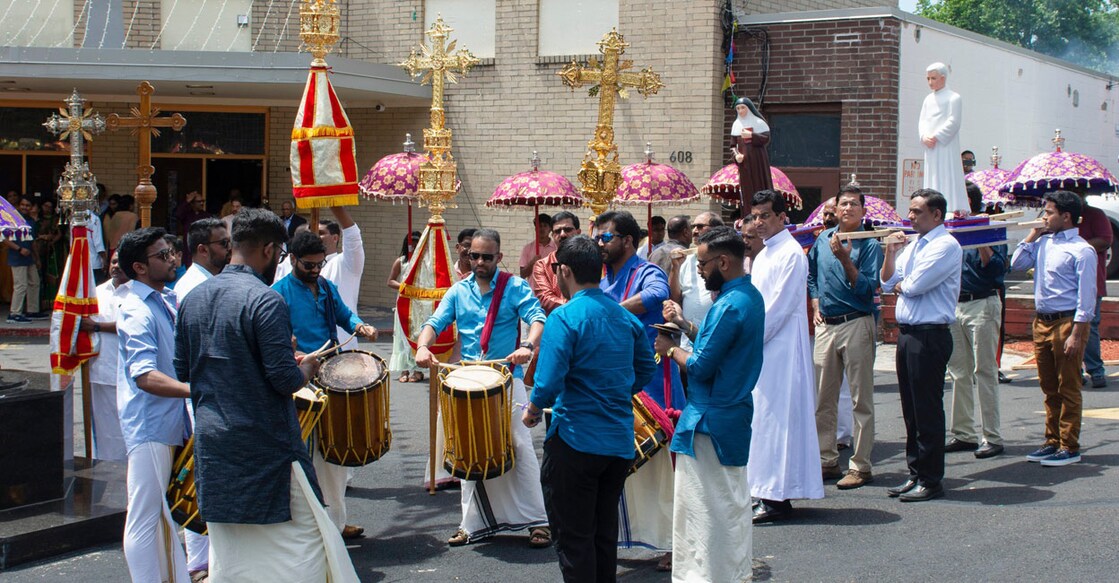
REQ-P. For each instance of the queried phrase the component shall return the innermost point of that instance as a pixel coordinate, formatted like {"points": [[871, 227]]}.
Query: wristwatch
{"points": [[526, 344]]}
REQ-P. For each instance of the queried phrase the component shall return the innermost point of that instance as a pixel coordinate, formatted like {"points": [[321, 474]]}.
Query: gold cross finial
{"points": [[601, 171]]}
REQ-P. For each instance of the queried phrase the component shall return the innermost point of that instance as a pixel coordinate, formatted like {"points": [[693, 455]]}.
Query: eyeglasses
{"points": [[562, 230], [311, 265], [764, 216], [486, 257], [163, 254], [223, 242], [604, 238], [703, 262]]}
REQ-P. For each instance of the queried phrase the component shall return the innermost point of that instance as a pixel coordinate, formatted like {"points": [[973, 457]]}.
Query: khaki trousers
{"points": [[1060, 383], [25, 284], [974, 369], [845, 348]]}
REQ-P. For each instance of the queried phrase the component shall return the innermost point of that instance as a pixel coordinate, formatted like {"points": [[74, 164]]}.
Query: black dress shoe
{"points": [[908, 485], [772, 511], [955, 445], [988, 450], [1003, 379], [922, 493]]}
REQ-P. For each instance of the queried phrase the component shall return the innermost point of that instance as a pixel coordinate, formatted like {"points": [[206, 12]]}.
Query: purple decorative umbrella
{"points": [[723, 186], [12, 224], [878, 212], [1059, 170], [534, 188], [649, 183]]}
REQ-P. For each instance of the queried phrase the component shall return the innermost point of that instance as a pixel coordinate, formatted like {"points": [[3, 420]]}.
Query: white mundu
{"points": [[941, 116]]}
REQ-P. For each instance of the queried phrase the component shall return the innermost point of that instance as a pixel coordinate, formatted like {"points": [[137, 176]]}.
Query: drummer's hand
{"points": [[520, 356], [309, 366], [663, 343], [424, 357], [367, 331], [532, 416]]}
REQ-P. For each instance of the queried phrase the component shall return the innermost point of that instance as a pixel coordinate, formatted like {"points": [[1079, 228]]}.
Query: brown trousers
{"points": [[1060, 383]]}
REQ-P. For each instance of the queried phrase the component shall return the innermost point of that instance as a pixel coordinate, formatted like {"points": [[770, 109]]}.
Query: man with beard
{"points": [[209, 243], [828, 214], [152, 405], [544, 281], [784, 452], [842, 279], [256, 487], [589, 447], [462, 266], [317, 312], [712, 530], [345, 256], [685, 285], [642, 288], [488, 307]]}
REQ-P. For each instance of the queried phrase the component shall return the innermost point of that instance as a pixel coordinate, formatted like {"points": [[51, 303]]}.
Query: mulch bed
{"points": [[1109, 350]]}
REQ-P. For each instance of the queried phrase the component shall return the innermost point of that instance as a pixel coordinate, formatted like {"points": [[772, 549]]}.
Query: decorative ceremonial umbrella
{"points": [[12, 224], [649, 183], [1059, 170], [878, 212], [534, 188], [723, 186]]}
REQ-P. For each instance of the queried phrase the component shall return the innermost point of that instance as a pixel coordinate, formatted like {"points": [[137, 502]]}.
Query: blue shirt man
{"points": [[311, 314], [929, 273], [828, 282], [976, 278], [1064, 276]]}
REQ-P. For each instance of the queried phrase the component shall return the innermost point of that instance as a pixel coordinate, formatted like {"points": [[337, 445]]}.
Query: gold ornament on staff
{"points": [[438, 61], [318, 27], [601, 172]]}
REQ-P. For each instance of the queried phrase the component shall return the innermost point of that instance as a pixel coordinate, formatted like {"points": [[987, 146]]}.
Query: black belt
{"points": [[966, 297], [1056, 316], [844, 318], [909, 328]]}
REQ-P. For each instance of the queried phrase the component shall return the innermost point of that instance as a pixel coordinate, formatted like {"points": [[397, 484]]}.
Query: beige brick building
{"points": [[510, 105]]}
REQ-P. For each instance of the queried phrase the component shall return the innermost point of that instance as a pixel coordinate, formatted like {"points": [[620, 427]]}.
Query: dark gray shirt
{"points": [[233, 345]]}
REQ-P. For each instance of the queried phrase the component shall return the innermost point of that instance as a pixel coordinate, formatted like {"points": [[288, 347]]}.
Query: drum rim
{"points": [[381, 379]]}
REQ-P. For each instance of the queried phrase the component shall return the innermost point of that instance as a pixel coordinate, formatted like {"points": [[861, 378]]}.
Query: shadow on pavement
{"points": [[510, 548], [642, 570], [412, 549], [996, 495]]}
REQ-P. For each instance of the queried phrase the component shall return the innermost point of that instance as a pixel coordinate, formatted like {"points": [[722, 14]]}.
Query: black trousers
{"points": [[581, 493], [922, 357]]}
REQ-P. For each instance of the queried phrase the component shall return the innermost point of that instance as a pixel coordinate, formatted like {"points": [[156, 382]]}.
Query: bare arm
{"points": [[394, 274], [161, 385]]}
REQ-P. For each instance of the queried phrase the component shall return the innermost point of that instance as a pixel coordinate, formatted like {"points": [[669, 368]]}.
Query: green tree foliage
{"points": [[1085, 32]]}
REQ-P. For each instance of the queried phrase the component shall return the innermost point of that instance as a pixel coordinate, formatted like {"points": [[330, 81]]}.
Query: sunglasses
{"points": [[604, 238], [163, 254], [223, 242], [563, 230], [487, 257], [311, 265]]}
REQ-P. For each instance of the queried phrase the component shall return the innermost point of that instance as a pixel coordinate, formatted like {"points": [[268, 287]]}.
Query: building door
{"points": [[805, 145]]}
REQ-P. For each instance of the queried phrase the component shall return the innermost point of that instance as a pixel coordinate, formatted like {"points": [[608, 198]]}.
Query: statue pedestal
{"points": [[31, 457]]}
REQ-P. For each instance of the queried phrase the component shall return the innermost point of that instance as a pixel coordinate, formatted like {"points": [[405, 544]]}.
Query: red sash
{"points": [[491, 315]]}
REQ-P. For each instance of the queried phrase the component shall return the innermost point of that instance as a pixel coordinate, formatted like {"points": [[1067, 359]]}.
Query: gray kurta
{"points": [[233, 345]]}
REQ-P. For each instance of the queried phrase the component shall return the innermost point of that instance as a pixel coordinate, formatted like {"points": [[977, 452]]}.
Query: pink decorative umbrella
{"points": [[649, 183], [534, 188], [1059, 170], [12, 224], [878, 212], [723, 186]]}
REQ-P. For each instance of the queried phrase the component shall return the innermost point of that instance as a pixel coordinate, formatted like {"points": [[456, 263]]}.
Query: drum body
{"points": [[354, 430], [476, 401], [648, 435], [182, 492]]}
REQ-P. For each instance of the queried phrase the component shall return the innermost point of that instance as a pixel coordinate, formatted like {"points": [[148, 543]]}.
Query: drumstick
{"points": [[485, 362], [524, 406], [431, 406]]}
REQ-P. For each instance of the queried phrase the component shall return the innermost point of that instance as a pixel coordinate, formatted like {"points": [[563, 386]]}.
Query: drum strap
{"points": [[331, 319], [491, 315]]}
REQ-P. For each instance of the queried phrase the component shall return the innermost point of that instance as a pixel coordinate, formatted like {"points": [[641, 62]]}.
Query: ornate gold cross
{"points": [[601, 172], [77, 187], [438, 61], [145, 122]]}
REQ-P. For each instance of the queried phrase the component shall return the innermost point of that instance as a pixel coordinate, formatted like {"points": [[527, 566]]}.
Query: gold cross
{"points": [[599, 175], [145, 122]]}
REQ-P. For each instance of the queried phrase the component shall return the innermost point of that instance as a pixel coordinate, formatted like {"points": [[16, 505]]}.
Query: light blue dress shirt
{"points": [[722, 372], [146, 335], [1064, 274], [928, 270], [594, 356], [309, 321], [467, 308]]}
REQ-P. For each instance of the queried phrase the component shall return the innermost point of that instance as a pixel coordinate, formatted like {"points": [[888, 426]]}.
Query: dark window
{"points": [[804, 140], [211, 132], [21, 128]]}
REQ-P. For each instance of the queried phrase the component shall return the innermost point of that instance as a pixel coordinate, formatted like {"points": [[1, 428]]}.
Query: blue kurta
{"points": [[641, 277], [594, 357], [722, 372], [310, 322]]}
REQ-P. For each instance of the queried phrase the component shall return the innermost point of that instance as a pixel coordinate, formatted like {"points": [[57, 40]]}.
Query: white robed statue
{"points": [[939, 127]]}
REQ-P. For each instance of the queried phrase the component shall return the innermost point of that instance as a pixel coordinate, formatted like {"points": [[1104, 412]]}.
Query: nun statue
{"points": [[750, 135]]}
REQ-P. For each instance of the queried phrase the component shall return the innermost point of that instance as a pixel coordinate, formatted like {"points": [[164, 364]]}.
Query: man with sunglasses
{"points": [[209, 244], [784, 451], [317, 312], [152, 405], [488, 307], [544, 282]]}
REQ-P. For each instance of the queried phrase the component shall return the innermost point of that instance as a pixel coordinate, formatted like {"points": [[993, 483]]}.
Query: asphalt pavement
{"points": [[1002, 519]]}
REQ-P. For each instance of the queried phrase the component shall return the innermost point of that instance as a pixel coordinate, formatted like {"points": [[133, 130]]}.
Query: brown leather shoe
{"points": [[854, 479], [831, 472], [352, 532]]}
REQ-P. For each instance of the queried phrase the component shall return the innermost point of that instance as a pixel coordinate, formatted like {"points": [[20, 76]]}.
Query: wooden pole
{"points": [[433, 407], [87, 411], [314, 220]]}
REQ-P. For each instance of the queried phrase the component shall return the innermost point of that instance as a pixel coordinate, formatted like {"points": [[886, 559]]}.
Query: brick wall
{"points": [[807, 66], [142, 21]]}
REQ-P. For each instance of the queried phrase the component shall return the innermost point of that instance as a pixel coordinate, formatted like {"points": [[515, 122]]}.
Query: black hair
{"points": [[677, 225], [934, 200], [306, 243], [126, 203], [258, 227], [850, 189], [413, 238], [967, 152], [582, 255], [174, 241], [331, 226], [1066, 202], [133, 248], [624, 224], [771, 196], [467, 233], [490, 234], [201, 231], [545, 218], [724, 239], [974, 197], [566, 216], [658, 220]]}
